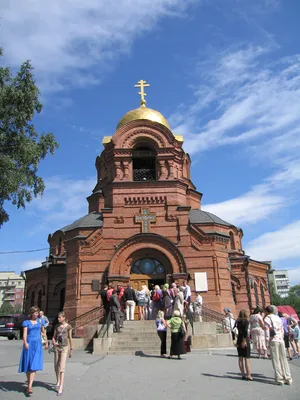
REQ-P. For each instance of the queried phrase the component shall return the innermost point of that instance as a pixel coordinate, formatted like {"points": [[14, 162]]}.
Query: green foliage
{"points": [[292, 300], [6, 308], [276, 300], [21, 147], [295, 290]]}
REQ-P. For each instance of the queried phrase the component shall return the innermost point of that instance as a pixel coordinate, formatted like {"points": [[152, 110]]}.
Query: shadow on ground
{"points": [[259, 378], [20, 387]]}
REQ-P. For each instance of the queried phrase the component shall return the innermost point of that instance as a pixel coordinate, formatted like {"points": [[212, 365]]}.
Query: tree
{"points": [[276, 300], [21, 147], [6, 308], [295, 290]]}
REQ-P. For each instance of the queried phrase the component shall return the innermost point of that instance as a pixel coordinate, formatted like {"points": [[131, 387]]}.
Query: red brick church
{"points": [[145, 225]]}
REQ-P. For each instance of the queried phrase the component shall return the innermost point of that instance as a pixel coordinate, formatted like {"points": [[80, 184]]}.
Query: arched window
{"points": [[233, 292], [59, 246], [262, 293], [32, 299], [256, 293], [144, 164], [39, 302], [62, 299], [147, 266], [232, 244]]}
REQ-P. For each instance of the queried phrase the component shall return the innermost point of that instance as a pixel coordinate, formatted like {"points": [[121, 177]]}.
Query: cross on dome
{"points": [[142, 84]]}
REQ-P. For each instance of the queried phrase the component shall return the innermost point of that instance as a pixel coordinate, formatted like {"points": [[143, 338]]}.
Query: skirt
{"points": [[141, 303], [32, 359], [177, 344], [244, 352]]}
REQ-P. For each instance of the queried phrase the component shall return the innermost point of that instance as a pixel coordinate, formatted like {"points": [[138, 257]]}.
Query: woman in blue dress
{"points": [[32, 352]]}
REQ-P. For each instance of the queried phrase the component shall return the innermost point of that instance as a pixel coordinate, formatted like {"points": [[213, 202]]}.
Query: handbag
{"points": [[181, 330]]}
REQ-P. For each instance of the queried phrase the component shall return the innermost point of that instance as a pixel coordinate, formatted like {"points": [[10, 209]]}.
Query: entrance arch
{"points": [[142, 246]]}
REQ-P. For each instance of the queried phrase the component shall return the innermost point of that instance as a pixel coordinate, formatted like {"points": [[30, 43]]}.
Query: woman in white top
{"points": [[257, 330], [179, 300], [141, 302], [275, 340]]}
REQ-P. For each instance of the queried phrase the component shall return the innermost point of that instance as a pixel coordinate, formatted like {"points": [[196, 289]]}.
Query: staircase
{"points": [[140, 337], [137, 337]]}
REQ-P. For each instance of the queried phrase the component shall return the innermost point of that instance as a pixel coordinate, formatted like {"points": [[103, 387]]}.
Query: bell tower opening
{"points": [[144, 164]]}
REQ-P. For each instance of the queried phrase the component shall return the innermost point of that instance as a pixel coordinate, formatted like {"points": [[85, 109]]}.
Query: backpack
{"points": [[156, 296]]}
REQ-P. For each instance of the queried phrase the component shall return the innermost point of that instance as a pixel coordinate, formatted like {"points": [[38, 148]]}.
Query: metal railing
{"points": [[144, 174], [96, 313], [209, 315]]}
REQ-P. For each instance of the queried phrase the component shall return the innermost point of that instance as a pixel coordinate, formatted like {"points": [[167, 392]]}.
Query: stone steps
{"points": [[140, 338]]}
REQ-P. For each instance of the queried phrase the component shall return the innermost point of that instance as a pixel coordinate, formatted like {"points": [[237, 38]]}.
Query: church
{"points": [[145, 225]]}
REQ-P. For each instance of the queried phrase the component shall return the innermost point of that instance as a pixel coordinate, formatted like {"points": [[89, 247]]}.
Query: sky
{"points": [[226, 75]]}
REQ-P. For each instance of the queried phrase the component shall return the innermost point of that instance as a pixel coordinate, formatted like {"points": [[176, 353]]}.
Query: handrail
{"points": [[104, 330], [91, 315], [209, 315]]}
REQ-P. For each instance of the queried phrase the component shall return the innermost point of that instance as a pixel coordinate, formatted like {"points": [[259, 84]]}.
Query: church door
{"points": [[146, 271]]}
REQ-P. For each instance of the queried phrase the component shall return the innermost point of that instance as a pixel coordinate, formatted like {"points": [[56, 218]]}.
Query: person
{"points": [[167, 301], [147, 302], [295, 339], [130, 299], [32, 352], [105, 303], [156, 300], [115, 309], [275, 341], [179, 300], [258, 332], [229, 320], [198, 306], [292, 323], [243, 345], [161, 327], [43, 316], [62, 342], [286, 336], [109, 292], [177, 339], [187, 294], [141, 302]]}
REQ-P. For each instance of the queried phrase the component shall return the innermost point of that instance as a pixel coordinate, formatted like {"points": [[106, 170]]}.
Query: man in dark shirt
{"points": [[130, 299], [116, 310], [105, 302]]}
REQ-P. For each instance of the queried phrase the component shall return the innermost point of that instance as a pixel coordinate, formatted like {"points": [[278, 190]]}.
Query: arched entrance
{"points": [[149, 268]]}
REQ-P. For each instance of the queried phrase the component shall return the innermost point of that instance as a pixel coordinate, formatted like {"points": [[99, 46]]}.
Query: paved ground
{"points": [[208, 375]]}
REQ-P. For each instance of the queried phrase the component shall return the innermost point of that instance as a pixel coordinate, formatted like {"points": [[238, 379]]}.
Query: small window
{"points": [[233, 292], [256, 294], [232, 244]]}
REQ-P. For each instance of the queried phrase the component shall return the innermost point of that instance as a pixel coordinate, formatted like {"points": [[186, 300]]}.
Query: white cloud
{"points": [[247, 99], [63, 202], [248, 208], [64, 39], [30, 264], [294, 275], [282, 244], [276, 192]]}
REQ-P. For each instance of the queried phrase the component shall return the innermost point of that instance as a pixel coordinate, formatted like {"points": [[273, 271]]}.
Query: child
{"points": [[295, 339]]}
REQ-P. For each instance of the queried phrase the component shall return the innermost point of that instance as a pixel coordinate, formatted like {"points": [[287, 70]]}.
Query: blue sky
{"points": [[226, 75]]}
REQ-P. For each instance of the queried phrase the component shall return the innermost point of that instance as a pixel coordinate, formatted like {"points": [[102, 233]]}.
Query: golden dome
{"points": [[143, 113]]}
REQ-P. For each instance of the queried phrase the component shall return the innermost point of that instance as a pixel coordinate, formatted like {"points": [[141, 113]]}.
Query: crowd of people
{"points": [[270, 332], [122, 302], [34, 337]]}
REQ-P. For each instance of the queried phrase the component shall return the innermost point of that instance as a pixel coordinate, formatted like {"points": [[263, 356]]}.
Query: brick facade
{"points": [[183, 242]]}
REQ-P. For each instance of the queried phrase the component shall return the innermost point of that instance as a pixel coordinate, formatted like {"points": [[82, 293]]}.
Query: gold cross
{"points": [[145, 218], [142, 84]]}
